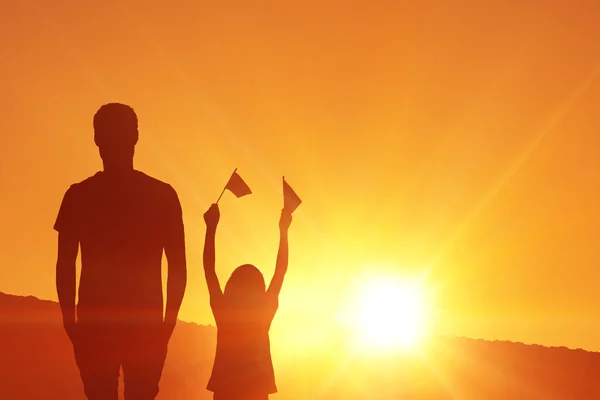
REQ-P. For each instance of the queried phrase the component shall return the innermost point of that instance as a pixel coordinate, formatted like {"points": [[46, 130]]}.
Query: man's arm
{"points": [[68, 247], [282, 254], [67, 226], [211, 217], [177, 269]]}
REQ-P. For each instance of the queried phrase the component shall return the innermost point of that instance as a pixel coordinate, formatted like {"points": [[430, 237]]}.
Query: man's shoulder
{"points": [[153, 182], [85, 184]]}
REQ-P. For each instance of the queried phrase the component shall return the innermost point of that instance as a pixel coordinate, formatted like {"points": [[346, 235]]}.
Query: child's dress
{"points": [[243, 357]]}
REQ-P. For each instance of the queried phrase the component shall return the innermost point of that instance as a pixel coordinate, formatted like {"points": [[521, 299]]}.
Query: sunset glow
{"points": [[462, 135], [388, 314]]}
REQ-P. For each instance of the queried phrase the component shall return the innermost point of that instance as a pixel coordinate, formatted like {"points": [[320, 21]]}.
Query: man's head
{"points": [[116, 132]]}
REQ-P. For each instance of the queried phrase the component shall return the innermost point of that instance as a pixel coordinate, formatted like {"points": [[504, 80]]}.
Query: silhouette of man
{"points": [[122, 219]]}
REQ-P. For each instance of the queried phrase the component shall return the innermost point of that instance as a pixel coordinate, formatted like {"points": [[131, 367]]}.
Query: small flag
{"points": [[236, 185], [291, 201]]}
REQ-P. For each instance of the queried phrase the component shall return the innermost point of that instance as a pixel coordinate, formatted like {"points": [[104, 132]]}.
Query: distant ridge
{"points": [[36, 362]]}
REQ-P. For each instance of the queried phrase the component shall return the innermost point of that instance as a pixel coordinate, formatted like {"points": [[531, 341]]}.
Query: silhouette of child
{"points": [[243, 369]]}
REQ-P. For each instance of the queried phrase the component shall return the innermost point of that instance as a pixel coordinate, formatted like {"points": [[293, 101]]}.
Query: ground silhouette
{"points": [[36, 362]]}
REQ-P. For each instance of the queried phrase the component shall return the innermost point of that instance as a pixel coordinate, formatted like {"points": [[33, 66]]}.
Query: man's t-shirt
{"points": [[243, 356], [122, 224]]}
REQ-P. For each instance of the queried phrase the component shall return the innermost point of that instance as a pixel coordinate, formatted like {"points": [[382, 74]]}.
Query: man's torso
{"points": [[121, 225]]}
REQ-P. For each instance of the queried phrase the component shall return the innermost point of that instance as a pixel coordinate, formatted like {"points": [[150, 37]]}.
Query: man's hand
{"points": [[285, 221], [66, 276], [211, 217], [71, 329], [168, 328]]}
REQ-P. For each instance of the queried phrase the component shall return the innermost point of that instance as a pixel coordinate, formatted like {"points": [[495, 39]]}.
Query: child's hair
{"points": [[245, 282]]}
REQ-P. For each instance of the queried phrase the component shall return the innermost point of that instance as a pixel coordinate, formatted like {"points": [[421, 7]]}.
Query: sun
{"points": [[389, 314]]}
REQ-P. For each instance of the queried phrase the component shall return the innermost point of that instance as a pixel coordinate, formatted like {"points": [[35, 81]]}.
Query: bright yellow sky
{"points": [[464, 140]]}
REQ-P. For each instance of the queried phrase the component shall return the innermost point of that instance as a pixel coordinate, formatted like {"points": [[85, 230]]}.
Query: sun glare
{"points": [[388, 314]]}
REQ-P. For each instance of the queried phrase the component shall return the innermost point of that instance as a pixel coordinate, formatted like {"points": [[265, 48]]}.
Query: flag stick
{"points": [[225, 187]]}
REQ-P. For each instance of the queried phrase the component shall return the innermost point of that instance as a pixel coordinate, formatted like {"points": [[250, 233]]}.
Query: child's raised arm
{"points": [[211, 217], [282, 254]]}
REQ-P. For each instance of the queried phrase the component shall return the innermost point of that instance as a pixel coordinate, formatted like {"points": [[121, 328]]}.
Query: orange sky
{"points": [[463, 139]]}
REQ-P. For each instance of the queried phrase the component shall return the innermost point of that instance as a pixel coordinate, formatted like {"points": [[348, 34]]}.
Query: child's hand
{"points": [[211, 217], [285, 220]]}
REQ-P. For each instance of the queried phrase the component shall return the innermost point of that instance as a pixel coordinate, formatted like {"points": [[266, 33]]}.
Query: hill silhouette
{"points": [[36, 362]]}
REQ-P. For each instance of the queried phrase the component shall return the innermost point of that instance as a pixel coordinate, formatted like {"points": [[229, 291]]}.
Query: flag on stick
{"points": [[236, 185], [291, 201]]}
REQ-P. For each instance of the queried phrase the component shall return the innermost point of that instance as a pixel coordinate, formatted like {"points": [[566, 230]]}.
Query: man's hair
{"points": [[115, 123]]}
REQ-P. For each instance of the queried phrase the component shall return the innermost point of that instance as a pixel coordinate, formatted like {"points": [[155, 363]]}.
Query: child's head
{"points": [[245, 282]]}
